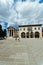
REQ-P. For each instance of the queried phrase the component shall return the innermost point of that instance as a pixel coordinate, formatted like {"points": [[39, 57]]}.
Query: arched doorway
{"points": [[27, 34], [31, 35], [23, 35], [37, 34]]}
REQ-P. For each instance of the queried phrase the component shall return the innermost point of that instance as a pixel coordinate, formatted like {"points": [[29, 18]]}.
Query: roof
{"points": [[12, 27], [30, 25]]}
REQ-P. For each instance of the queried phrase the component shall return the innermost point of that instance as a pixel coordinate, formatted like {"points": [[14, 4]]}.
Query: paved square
{"points": [[23, 52]]}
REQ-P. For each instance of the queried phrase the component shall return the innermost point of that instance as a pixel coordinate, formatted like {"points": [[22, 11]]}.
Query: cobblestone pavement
{"points": [[23, 52]]}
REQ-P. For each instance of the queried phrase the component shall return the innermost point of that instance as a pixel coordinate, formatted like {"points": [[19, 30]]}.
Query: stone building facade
{"points": [[12, 32], [26, 31], [30, 31]]}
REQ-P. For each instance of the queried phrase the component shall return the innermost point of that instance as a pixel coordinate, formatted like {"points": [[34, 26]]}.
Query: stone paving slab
{"points": [[23, 52]]}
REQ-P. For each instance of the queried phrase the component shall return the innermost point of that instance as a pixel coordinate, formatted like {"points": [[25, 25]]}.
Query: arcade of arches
{"points": [[30, 35], [23, 35], [37, 34]]}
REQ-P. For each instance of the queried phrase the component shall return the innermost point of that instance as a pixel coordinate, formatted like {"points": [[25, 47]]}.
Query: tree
{"points": [[4, 32], [0, 27], [0, 30]]}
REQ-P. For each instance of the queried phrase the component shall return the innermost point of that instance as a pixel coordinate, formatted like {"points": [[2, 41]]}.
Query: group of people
{"points": [[18, 38]]}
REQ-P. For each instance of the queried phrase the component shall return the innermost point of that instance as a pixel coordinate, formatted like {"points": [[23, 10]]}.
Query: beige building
{"points": [[12, 32], [26, 31], [30, 31]]}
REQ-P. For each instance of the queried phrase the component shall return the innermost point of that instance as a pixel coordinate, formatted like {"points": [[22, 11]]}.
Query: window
{"points": [[24, 29], [38, 28], [35, 28], [29, 28]]}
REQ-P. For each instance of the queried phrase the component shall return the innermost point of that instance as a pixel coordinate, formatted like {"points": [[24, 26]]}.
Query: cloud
{"points": [[31, 11], [21, 11]]}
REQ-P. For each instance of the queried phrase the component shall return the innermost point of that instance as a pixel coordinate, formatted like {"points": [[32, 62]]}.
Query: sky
{"points": [[21, 12]]}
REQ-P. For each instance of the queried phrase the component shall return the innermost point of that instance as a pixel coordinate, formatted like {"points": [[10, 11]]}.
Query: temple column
{"points": [[13, 33], [8, 33], [25, 35], [29, 34]]}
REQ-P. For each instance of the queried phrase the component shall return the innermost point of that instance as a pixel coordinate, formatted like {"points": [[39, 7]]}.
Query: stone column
{"points": [[25, 35], [13, 33], [34, 34], [29, 34]]}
